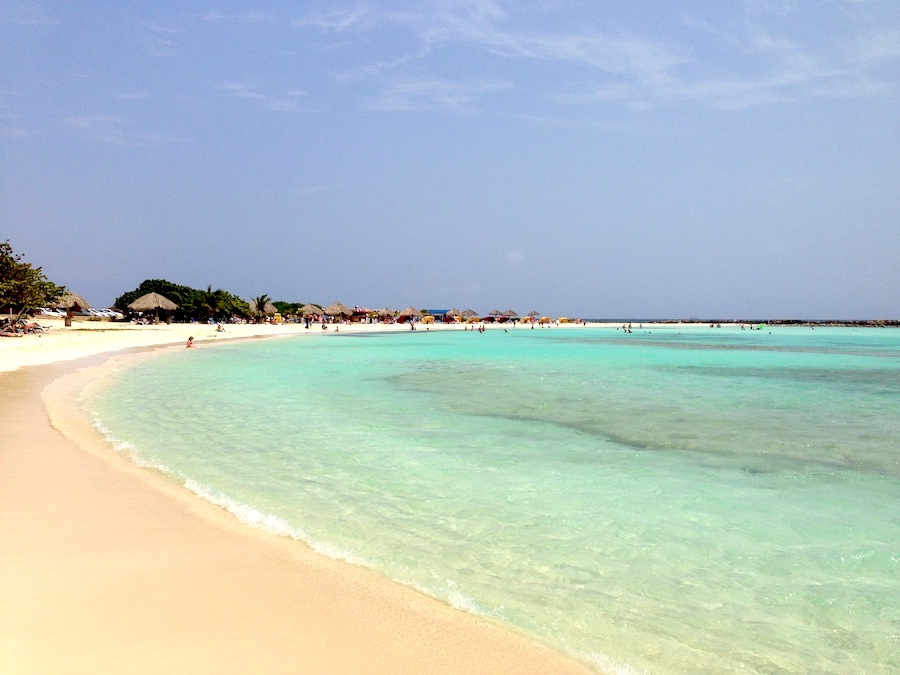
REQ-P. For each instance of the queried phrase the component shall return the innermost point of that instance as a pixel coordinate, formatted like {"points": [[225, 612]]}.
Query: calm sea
{"points": [[683, 500]]}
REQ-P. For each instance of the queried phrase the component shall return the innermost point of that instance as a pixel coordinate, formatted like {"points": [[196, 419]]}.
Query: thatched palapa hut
{"points": [[338, 309], [153, 302], [71, 301], [310, 310]]}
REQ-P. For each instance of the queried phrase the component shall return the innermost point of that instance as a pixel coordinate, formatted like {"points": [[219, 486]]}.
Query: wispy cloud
{"points": [[159, 28], [13, 132], [433, 94], [114, 130], [514, 259], [252, 17], [240, 90], [747, 60], [876, 47], [620, 54], [285, 101], [339, 20]]}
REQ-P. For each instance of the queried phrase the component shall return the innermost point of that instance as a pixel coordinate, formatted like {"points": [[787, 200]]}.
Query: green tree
{"points": [[260, 306], [212, 303], [23, 287], [183, 296], [192, 303], [285, 307]]}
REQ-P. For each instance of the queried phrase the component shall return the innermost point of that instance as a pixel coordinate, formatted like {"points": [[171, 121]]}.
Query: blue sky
{"points": [[596, 159]]}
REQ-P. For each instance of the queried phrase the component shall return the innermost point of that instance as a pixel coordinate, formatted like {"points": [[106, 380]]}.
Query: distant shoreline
{"points": [[834, 323]]}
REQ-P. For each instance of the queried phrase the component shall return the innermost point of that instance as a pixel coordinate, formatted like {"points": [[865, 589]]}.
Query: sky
{"points": [[654, 159]]}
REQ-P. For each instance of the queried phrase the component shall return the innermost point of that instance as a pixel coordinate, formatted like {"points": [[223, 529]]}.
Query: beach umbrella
{"points": [[469, 313], [338, 309], [69, 300], [511, 313], [453, 312], [385, 311], [410, 311], [533, 313], [152, 301], [309, 310]]}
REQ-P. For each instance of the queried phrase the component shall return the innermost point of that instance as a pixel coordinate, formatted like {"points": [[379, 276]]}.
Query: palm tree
{"points": [[260, 306], [212, 301]]}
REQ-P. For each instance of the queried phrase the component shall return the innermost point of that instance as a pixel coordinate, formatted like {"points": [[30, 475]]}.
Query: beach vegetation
{"points": [[288, 308], [259, 306], [23, 287], [212, 302], [193, 303]]}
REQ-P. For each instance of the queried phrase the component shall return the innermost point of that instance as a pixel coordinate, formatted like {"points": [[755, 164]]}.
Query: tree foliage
{"points": [[192, 303], [23, 287], [259, 305], [288, 308]]}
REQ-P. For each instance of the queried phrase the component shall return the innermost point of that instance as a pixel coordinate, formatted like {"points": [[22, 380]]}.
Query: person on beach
{"points": [[190, 343]]}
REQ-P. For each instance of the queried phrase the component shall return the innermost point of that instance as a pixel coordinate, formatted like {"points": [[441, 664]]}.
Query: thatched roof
{"points": [[469, 313], [338, 309], [453, 312], [409, 311], [386, 311], [68, 300], [309, 310], [152, 301]]}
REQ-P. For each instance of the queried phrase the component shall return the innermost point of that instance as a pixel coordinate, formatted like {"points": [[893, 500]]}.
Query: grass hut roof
{"points": [[150, 301]]}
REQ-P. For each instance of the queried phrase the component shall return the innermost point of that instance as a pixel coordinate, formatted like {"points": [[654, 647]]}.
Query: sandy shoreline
{"points": [[107, 567]]}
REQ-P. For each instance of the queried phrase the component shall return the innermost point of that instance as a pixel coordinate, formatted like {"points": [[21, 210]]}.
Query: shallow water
{"points": [[681, 500]]}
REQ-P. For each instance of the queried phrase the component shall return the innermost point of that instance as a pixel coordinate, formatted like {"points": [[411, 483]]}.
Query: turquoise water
{"points": [[687, 500]]}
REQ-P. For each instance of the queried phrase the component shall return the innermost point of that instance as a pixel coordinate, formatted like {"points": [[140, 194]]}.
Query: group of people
{"points": [[9, 328]]}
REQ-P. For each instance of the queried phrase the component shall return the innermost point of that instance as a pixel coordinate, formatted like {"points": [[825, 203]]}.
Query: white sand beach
{"points": [[106, 567]]}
